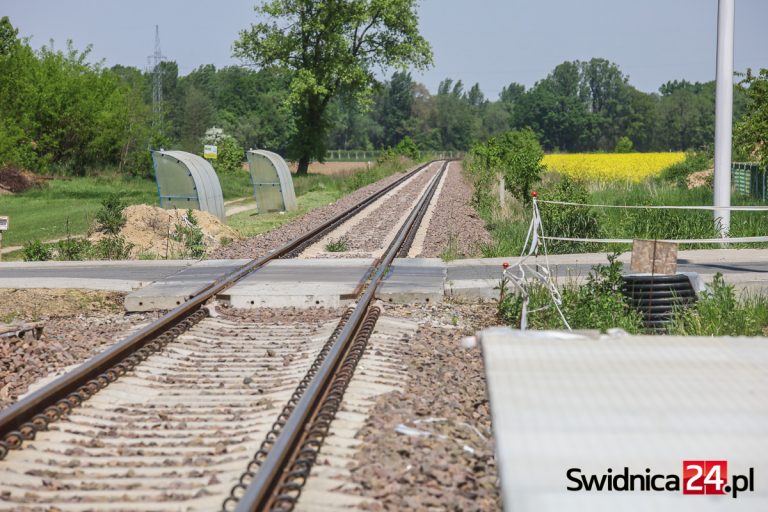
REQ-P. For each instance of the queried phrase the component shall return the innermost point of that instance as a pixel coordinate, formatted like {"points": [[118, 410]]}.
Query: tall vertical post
{"points": [[157, 79], [724, 114]]}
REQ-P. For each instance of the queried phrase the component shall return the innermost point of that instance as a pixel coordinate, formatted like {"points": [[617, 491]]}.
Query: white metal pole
{"points": [[724, 113]]}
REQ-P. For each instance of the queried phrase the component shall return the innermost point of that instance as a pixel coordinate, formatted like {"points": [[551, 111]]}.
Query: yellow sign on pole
{"points": [[210, 152]]}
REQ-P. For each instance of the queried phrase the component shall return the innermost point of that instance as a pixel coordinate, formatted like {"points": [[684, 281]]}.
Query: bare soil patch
{"points": [[35, 304], [15, 179], [700, 178]]}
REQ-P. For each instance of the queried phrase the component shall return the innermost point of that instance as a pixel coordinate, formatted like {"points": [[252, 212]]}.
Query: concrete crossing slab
{"points": [[93, 275], [174, 290], [569, 404], [314, 282], [301, 283], [414, 280]]}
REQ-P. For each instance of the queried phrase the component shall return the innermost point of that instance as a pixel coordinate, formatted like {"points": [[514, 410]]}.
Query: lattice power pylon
{"points": [[154, 61]]}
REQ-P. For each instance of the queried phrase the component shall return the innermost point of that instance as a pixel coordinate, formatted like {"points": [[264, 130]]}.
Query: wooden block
{"points": [[654, 257], [19, 330]]}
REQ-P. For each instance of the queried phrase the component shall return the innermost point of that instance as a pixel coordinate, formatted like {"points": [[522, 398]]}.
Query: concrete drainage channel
{"points": [[150, 382]]}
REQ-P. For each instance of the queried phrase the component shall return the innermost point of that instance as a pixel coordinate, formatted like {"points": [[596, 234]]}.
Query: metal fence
{"points": [[353, 155], [749, 179]]}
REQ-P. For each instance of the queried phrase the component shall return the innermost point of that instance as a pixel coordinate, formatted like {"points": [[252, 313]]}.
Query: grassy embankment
{"points": [[599, 304], [67, 207], [509, 223]]}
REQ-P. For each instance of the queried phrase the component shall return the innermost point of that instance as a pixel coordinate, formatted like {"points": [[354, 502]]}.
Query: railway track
{"points": [[194, 410]]}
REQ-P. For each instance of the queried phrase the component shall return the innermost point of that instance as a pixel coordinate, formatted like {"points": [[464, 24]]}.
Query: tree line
{"points": [[61, 113], [579, 106]]}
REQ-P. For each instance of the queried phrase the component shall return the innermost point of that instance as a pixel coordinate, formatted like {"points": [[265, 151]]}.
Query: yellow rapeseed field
{"points": [[611, 166]]}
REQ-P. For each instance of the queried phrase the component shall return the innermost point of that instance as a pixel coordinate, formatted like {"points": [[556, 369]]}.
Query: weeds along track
{"points": [[195, 411]]}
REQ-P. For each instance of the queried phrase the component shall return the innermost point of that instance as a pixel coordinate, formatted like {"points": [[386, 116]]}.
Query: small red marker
{"points": [[534, 194], [505, 265]]}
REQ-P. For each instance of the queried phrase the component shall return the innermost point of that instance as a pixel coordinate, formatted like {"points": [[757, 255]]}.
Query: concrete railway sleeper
{"points": [[281, 464]]}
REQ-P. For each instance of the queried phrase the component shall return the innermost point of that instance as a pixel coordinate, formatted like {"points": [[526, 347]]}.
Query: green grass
{"points": [[66, 205], [235, 185], [339, 245], [722, 312], [252, 224], [672, 224]]}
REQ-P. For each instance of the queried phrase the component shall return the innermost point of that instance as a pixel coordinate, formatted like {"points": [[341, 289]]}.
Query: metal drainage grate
{"points": [[657, 296]]}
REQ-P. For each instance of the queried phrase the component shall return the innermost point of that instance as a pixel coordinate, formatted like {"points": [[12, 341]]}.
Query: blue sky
{"points": [[492, 42]]}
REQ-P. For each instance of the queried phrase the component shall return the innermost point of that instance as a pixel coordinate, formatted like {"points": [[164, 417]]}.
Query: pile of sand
{"points": [[15, 179], [151, 230]]}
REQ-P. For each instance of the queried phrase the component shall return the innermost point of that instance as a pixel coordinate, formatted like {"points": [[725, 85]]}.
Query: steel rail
{"points": [[19, 414], [259, 494]]}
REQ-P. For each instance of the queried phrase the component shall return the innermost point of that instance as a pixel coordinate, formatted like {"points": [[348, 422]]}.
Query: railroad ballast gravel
{"points": [[65, 342], [371, 233], [430, 446], [455, 229]]}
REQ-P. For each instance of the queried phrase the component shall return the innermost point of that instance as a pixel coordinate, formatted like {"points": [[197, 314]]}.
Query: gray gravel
{"points": [[279, 316], [455, 231], [65, 342], [370, 235], [454, 468], [266, 242]]}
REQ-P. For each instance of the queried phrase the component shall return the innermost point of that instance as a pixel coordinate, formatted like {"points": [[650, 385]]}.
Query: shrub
{"points": [[188, 232], [230, 156], [568, 221], [112, 248], [407, 148], [751, 132], [522, 155], [110, 216], [624, 145], [516, 155], [35, 250], [73, 249]]}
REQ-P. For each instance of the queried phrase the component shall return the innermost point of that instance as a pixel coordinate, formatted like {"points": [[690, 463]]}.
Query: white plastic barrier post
{"points": [[724, 114]]}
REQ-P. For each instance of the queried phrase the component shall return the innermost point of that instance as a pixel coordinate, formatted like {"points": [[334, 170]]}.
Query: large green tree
{"points": [[394, 108], [331, 47]]}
